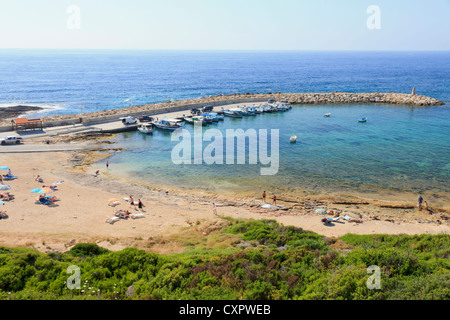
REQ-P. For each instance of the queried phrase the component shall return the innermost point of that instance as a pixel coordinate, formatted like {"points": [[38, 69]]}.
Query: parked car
{"points": [[207, 108], [11, 140], [128, 120], [145, 118]]}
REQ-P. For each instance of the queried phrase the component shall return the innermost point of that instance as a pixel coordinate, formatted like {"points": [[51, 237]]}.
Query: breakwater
{"points": [[221, 100]]}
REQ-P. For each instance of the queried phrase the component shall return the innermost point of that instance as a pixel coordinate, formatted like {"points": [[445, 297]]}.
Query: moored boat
{"points": [[146, 128], [168, 124], [362, 120], [233, 113]]}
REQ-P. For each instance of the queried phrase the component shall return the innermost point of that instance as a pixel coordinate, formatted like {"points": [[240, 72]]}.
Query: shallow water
{"points": [[399, 150]]}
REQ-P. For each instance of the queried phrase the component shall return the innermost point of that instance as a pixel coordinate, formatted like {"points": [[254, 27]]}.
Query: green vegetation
{"points": [[263, 260]]}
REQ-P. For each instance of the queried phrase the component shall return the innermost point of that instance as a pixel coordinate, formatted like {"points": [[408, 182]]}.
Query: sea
{"points": [[399, 152]]}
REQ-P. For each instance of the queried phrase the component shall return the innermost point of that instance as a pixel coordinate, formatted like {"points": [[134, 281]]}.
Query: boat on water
{"points": [[327, 115], [233, 113], [146, 128], [362, 120], [196, 120], [293, 139], [208, 118], [168, 124], [281, 106], [250, 111], [217, 116]]}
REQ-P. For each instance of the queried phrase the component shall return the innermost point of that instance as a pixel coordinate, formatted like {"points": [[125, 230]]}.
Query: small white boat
{"points": [[146, 128], [362, 120], [327, 115], [168, 124], [293, 139]]}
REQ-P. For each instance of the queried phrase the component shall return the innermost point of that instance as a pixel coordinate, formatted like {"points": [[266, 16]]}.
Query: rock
{"points": [[130, 291]]}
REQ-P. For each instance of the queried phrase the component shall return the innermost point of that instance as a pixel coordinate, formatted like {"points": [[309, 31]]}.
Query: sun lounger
{"points": [[112, 219], [137, 215]]}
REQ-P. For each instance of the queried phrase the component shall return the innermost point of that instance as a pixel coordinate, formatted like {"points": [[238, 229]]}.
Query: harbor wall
{"points": [[220, 100]]}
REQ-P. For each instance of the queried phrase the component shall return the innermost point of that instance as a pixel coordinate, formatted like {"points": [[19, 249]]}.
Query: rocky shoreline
{"points": [[15, 111], [292, 98]]}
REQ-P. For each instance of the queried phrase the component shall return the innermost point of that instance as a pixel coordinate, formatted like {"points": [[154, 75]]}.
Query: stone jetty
{"points": [[411, 99]]}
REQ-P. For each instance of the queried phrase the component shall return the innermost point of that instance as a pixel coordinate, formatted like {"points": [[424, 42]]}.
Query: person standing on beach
{"points": [[132, 202], [140, 204], [214, 209], [107, 164], [420, 202], [264, 196], [274, 199]]}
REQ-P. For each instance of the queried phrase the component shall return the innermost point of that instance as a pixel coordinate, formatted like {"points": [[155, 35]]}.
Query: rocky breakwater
{"points": [[359, 98], [221, 100]]}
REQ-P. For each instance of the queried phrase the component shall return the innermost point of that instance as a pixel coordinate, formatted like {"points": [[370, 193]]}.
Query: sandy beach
{"points": [[81, 213]]}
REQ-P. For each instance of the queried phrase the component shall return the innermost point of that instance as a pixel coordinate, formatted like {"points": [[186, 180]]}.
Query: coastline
{"points": [[80, 214]]}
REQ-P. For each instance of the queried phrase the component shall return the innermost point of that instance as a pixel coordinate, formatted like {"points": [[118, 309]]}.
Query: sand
{"points": [[80, 214]]}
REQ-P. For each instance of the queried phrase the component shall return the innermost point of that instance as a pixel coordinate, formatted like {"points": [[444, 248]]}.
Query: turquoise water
{"points": [[400, 149]]}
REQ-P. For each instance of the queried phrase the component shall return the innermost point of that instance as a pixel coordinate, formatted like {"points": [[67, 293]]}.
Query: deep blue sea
{"points": [[77, 81], [398, 153]]}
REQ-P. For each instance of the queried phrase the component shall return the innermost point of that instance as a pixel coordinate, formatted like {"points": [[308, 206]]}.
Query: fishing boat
{"points": [[259, 109], [233, 113], [362, 120], [196, 120], [168, 124], [216, 116], [282, 106], [207, 117], [293, 139], [146, 128], [250, 111], [327, 115]]}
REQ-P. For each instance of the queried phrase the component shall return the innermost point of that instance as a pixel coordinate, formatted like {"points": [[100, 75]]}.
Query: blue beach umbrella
{"points": [[4, 168], [38, 190]]}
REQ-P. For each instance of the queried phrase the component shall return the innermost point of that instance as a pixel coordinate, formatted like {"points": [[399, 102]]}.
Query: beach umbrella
{"points": [[4, 168], [37, 190], [1, 202], [47, 190]]}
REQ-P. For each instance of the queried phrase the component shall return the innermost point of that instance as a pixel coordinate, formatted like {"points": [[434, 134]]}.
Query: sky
{"points": [[226, 24]]}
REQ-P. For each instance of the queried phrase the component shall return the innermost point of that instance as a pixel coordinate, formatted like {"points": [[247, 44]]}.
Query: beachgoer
{"points": [[97, 172], [420, 202], [264, 196], [140, 204], [39, 179], [214, 209], [425, 205], [132, 202], [274, 199], [107, 164]]}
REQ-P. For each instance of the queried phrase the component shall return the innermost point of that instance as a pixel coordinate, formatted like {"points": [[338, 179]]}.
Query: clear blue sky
{"points": [[226, 24]]}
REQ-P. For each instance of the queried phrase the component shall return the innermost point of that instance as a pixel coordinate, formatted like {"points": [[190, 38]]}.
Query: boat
{"points": [[362, 120], [216, 116], [259, 109], [327, 114], [233, 113], [196, 120], [250, 111], [293, 139], [168, 124], [146, 128], [207, 117], [282, 106]]}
